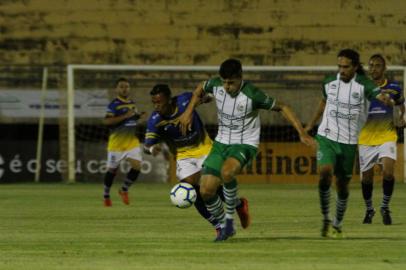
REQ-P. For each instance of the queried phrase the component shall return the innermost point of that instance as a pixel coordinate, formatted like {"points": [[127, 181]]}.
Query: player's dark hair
{"points": [[231, 68], [161, 89], [354, 57], [378, 56], [121, 79]]}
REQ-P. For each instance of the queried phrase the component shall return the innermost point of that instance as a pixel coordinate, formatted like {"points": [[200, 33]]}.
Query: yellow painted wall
{"points": [[263, 32]]}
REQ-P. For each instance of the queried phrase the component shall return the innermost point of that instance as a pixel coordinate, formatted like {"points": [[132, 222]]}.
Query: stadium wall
{"points": [[204, 32]]}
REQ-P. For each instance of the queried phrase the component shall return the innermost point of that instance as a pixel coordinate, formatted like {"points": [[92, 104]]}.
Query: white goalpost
{"points": [[267, 77], [41, 121]]}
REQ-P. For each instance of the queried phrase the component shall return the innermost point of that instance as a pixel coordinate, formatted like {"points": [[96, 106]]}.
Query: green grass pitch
{"points": [[59, 226]]}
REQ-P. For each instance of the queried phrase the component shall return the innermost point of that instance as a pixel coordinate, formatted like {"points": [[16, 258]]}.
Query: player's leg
{"points": [[241, 206], [342, 183], [238, 156], [343, 171], [210, 183], [326, 178], [388, 154], [108, 182], [134, 158], [368, 157], [326, 159], [208, 190], [189, 170], [367, 185], [113, 161], [230, 169]]}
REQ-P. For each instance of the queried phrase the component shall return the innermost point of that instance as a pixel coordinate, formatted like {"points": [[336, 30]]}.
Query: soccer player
{"points": [[238, 103], [121, 118], [344, 107], [190, 150], [377, 140]]}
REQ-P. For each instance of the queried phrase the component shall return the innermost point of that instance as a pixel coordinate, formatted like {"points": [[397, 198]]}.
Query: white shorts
{"points": [[187, 166], [369, 155], [114, 158]]}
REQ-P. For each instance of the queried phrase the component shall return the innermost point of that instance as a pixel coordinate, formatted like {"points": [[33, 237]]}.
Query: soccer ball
{"points": [[183, 195]]}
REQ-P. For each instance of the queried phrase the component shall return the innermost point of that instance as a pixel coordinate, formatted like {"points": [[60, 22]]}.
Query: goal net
{"points": [[282, 158]]}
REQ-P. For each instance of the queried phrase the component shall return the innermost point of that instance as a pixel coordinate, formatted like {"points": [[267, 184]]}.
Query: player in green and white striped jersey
{"points": [[344, 108], [238, 103]]}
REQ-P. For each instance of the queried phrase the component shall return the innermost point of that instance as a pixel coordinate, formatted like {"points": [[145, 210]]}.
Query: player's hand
{"points": [[386, 99], [153, 150], [307, 128], [185, 123], [401, 123], [130, 113], [142, 116], [307, 140]]}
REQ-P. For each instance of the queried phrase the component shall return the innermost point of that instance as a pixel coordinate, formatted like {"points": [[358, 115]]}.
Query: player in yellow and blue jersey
{"points": [[377, 141], [121, 118], [190, 150]]}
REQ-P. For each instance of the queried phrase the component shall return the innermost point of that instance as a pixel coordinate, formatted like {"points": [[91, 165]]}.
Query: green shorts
{"points": [[244, 153], [340, 155]]}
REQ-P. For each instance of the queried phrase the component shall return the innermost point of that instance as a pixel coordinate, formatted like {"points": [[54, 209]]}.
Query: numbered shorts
{"points": [[244, 153], [341, 156], [114, 158], [188, 166], [369, 155]]}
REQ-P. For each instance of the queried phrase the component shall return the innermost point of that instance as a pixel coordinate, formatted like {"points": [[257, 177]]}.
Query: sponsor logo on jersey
{"points": [[240, 107], [355, 95], [334, 113]]}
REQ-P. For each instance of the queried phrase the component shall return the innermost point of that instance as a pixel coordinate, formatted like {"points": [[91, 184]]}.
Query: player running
{"points": [[238, 103], [344, 108], [190, 149], [377, 141], [121, 118]]}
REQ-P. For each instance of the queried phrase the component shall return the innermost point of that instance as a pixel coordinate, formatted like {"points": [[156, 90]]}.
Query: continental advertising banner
{"points": [[295, 163]]}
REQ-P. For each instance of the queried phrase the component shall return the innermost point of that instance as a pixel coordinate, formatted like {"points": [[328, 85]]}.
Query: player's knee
{"points": [[367, 181], [343, 193], [133, 174], [388, 176], [136, 165], [207, 192], [342, 186], [227, 175], [326, 175]]}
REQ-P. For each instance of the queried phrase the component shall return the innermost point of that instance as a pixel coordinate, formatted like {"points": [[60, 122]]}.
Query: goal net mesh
{"points": [[281, 156]]}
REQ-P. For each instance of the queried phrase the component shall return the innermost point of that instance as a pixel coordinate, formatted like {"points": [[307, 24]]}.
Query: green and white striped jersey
{"points": [[238, 116], [346, 108]]}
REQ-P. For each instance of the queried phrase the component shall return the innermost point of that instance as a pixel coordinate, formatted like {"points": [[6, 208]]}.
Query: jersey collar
{"points": [[385, 82], [123, 99]]}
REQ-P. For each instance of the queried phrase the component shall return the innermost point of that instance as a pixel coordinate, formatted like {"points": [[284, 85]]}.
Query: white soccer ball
{"points": [[183, 195]]}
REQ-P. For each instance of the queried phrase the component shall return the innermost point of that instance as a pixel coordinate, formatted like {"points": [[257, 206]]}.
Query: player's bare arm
{"points": [[289, 115], [401, 123], [316, 117], [185, 120], [117, 119]]}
